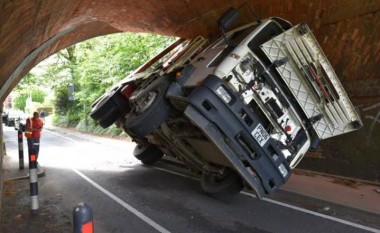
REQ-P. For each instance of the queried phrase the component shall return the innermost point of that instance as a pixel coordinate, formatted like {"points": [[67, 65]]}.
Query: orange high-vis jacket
{"points": [[28, 132], [35, 124]]}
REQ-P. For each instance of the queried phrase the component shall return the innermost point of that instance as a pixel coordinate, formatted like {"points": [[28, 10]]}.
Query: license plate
{"points": [[260, 134]]}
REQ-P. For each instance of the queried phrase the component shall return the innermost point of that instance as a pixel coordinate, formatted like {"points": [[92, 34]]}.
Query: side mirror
{"points": [[226, 20]]}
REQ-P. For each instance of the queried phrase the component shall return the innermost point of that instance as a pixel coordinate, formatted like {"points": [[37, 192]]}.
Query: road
{"points": [[127, 196]]}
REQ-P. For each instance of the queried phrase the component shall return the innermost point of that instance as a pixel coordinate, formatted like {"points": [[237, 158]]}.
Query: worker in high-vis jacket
{"points": [[33, 130]]}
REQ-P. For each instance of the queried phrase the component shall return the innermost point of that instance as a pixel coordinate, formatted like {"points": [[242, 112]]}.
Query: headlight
{"points": [[283, 170], [222, 93]]}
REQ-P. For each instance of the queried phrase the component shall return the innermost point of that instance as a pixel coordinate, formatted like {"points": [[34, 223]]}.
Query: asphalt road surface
{"points": [[127, 196]]}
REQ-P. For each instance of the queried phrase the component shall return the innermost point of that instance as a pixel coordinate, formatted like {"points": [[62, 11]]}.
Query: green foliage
{"points": [[47, 109], [103, 61], [59, 120], [92, 66], [67, 120], [19, 101], [29, 81], [93, 128], [61, 102]]}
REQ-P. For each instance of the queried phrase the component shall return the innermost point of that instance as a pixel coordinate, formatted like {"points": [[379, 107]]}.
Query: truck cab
{"points": [[240, 111]]}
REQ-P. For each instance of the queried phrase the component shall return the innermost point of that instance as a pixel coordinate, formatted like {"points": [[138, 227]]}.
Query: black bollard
{"points": [[83, 218], [20, 149], [33, 178]]}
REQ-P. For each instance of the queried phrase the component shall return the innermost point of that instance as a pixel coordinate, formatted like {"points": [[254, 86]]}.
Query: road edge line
{"points": [[59, 135], [122, 203], [148, 220], [356, 225], [342, 221]]}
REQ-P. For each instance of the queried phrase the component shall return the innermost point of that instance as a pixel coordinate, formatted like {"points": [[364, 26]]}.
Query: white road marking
{"points": [[124, 204], [172, 172], [315, 213], [59, 135], [289, 206], [114, 197], [161, 229]]}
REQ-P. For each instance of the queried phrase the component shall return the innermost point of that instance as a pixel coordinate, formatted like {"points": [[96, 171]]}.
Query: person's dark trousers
{"points": [[30, 144], [34, 143]]}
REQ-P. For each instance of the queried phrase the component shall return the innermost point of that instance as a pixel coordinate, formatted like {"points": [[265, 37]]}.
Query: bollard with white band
{"points": [[33, 178], [20, 149], [36, 146], [83, 219]]}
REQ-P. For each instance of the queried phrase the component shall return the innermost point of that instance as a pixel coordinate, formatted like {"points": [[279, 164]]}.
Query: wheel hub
{"points": [[145, 102]]}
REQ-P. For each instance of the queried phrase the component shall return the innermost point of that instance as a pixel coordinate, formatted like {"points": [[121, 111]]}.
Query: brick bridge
{"points": [[348, 31]]}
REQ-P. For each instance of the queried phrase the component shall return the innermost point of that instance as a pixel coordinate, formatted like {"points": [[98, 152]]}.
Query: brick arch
{"points": [[348, 31], [32, 30]]}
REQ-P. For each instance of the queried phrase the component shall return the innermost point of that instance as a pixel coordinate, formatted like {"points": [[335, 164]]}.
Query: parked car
{"points": [[241, 111], [20, 124], [4, 116], [12, 116]]}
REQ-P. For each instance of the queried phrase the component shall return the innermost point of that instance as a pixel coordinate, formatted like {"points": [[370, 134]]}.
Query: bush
{"points": [[59, 120], [47, 109], [93, 128], [67, 121]]}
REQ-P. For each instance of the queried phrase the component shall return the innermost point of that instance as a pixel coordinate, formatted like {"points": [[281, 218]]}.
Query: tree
{"points": [[19, 102], [93, 66], [29, 81], [103, 61]]}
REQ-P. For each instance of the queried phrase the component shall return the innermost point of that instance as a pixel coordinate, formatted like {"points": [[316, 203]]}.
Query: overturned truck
{"points": [[241, 110]]}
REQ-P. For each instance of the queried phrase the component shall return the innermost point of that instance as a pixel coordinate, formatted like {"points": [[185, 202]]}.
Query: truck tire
{"points": [[112, 115], [102, 106], [217, 185], [110, 107], [147, 153], [151, 109]]}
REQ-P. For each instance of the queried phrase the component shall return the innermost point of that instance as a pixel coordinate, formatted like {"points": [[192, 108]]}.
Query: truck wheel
{"points": [[102, 106], [147, 153], [150, 110], [112, 115], [110, 107], [219, 185]]}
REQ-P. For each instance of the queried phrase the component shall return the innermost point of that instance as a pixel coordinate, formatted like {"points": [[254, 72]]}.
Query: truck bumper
{"points": [[232, 127]]}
